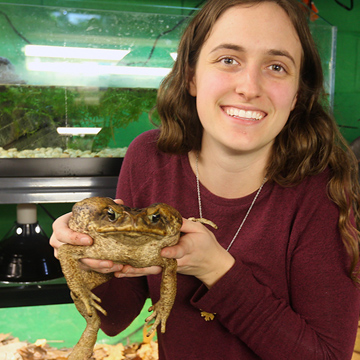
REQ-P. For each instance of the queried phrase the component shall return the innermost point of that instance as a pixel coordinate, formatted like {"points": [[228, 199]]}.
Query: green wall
{"points": [[347, 76], [62, 324]]}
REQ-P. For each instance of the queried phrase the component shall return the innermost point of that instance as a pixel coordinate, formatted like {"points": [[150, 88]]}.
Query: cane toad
{"points": [[123, 235]]}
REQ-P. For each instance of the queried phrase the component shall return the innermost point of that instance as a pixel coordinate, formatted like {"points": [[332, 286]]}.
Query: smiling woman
{"points": [[246, 142], [248, 76]]}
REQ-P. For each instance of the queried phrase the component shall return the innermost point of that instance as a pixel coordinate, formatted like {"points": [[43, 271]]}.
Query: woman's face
{"points": [[246, 78]]}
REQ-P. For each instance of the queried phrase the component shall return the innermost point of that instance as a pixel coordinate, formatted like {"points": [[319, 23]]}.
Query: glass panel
{"points": [[76, 47], [71, 68], [64, 67], [325, 37]]}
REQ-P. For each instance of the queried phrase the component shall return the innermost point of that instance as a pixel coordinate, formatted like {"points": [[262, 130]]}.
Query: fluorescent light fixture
{"points": [[173, 55], [93, 69], [74, 52], [78, 131]]}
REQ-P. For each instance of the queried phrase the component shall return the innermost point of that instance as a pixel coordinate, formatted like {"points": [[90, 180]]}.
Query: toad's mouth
{"points": [[250, 115], [130, 230]]}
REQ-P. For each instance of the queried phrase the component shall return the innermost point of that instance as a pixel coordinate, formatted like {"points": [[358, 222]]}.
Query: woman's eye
{"points": [[228, 61], [277, 68]]}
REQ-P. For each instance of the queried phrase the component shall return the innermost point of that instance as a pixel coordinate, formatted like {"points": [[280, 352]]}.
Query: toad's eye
{"points": [[154, 218], [112, 216]]}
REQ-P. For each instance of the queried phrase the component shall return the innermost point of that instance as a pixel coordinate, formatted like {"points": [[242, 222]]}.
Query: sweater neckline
{"points": [[209, 196]]}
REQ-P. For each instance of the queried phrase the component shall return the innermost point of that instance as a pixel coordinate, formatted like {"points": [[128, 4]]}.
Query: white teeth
{"points": [[242, 113], [251, 115]]}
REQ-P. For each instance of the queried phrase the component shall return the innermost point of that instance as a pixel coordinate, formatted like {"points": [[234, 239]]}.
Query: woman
{"points": [[246, 143]]}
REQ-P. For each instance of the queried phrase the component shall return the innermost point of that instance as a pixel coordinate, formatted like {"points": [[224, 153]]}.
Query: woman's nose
{"points": [[249, 82]]}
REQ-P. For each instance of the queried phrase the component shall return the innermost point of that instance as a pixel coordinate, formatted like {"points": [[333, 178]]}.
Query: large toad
{"points": [[123, 235]]}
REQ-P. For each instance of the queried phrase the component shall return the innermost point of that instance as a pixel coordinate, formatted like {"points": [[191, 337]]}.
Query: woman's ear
{"points": [[294, 102], [192, 85]]}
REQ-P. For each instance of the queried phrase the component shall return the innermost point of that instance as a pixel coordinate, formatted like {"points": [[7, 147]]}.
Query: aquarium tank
{"points": [[81, 82]]}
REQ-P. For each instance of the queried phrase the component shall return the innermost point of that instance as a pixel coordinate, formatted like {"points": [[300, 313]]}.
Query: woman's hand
{"points": [[198, 254], [62, 234]]}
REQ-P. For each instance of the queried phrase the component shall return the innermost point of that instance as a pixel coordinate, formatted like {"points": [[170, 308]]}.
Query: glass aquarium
{"points": [[77, 82], [325, 37]]}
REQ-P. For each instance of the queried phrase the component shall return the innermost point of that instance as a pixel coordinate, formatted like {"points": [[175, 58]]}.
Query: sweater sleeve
{"points": [[319, 319]]}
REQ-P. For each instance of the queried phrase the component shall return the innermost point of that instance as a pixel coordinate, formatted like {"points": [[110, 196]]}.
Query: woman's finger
{"points": [[103, 266], [62, 234], [189, 229], [129, 271], [176, 251], [119, 201]]}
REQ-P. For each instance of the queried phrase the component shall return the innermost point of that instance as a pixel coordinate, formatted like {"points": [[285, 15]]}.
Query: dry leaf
{"points": [[9, 351], [7, 339], [148, 351], [110, 352], [147, 339], [12, 349]]}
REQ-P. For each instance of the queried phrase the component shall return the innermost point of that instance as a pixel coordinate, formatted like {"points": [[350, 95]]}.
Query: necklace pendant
{"points": [[207, 316]]}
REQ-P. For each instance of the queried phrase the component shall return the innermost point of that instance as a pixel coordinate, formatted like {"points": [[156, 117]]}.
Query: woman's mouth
{"points": [[250, 115]]}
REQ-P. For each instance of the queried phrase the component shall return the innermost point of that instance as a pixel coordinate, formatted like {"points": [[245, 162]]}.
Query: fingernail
{"points": [[105, 264], [116, 268], [85, 241]]}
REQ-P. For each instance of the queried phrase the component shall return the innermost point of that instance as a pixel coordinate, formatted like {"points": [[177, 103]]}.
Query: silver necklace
{"points": [[247, 213]]}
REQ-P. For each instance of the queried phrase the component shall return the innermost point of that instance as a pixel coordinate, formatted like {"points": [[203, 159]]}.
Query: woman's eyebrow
{"points": [[285, 53], [273, 52], [228, 47]]}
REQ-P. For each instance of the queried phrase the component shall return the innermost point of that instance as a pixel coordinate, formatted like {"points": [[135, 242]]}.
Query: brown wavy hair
{"points": [[309, 142]]}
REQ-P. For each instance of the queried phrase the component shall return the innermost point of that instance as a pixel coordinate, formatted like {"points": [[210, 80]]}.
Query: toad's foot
{"points": [[160, 313], [204, 221], [90, 301]]}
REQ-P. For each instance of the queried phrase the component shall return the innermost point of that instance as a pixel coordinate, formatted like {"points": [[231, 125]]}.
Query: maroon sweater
{"points": [[288, 296]]}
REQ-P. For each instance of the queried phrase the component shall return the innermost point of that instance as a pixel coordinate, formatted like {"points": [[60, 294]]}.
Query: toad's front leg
{"points": [[161, 310]]}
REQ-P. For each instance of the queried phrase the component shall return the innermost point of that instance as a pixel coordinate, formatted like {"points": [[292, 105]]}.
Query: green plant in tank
{"points": [[116, 109], [28, 110], [24, 112]]}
